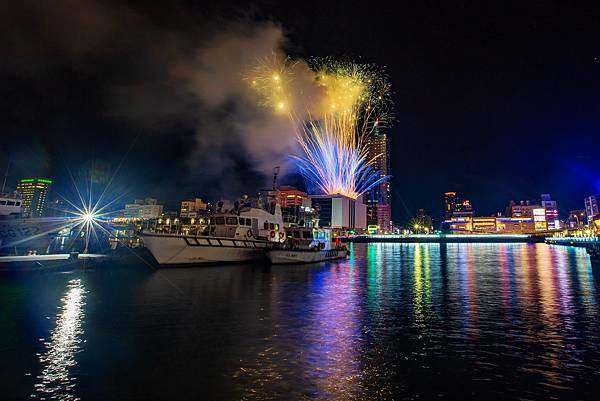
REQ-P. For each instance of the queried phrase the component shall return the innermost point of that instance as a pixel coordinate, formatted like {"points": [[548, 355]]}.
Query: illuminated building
{"points": [[461, 224], [515, 225], [491, 224], [296, 207], [463, 208], [577, 218], [378, 198], [449, 202], [551, 212], [34, 192], [458, 214], [591, 208], [522, 208], [291, 196], [384, 218], [339, 211], [539, 219], [146, 209], [484, 224], [192, 208]]}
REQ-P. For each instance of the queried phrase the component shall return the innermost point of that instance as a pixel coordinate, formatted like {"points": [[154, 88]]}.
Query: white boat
{"points": [[307, 245], [18, 234], [242, 234], [10, 205]]}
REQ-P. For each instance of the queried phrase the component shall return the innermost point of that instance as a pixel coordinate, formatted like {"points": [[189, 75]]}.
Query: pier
{"points": [[446, 238]]}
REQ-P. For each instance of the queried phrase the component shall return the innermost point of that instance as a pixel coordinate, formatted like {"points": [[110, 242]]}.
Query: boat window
{"points": [[271, 226], [232, 221], [220, 220], [296, 234], [2, 202], [306, 235], [249, 222], [10, 203], [18, 204]]}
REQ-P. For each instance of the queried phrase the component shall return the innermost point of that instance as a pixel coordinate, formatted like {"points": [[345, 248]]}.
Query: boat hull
{"points": [[179, 250], [283, 256]]}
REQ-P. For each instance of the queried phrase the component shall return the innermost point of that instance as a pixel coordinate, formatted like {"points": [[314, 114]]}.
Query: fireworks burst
{"points": [[353, 103], [272, 78]]}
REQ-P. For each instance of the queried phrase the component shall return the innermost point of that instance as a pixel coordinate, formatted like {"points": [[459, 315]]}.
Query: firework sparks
{"points": [[353, 103], [272, 78]]}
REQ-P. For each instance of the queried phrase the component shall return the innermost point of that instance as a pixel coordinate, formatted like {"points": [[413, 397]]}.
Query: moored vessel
{"points": [[307, 245], [240, 234]]}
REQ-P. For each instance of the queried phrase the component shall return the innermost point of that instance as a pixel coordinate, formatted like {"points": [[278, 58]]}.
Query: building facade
{"points": [[577, 218], [143, 209], [378, 199], [449, 202], [296, 207], [34, 192], [192, 208], [551, 208], [339, 211], [591, 208]]}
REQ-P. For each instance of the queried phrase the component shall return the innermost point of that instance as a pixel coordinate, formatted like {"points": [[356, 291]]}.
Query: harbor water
{"points": [[393, 321]]}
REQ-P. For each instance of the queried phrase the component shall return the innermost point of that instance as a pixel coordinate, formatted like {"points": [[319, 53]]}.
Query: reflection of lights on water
{"points": [[54, 381]]}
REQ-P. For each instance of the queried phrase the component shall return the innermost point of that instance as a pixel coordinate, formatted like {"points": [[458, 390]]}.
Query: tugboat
{"points": [[307, 245]]}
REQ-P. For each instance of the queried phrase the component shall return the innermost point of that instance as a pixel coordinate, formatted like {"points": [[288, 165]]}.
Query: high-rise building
{"points": [[378, 198], [34, 192], [591, 208], [449, 202]]}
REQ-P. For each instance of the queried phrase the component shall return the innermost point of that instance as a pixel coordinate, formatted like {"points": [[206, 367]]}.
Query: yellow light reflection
{"points": [[55, 381]]}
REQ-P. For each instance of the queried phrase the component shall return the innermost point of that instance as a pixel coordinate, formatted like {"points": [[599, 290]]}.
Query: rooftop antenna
{"points": [[5, 176], [275, 174]]}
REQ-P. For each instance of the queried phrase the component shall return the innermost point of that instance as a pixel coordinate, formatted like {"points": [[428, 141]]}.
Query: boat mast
{"points": [[275, 174]]}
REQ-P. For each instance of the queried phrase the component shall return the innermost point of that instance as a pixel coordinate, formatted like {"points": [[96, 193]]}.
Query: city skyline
{"points": [[314, 200], [467, 116]]}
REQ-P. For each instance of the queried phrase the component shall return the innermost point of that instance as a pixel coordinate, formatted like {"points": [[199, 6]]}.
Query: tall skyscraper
{"points": [[34, 192], [449, 204], [378, 198]]}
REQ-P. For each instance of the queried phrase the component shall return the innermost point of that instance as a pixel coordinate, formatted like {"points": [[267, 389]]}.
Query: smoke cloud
{"points": [[230, 124], [165, 75]]}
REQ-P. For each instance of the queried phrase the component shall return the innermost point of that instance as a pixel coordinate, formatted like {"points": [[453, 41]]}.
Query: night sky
{"points": [[497, 100]]}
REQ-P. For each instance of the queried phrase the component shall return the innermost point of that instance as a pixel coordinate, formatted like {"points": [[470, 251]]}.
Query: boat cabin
{"points": [[309, 238], [249, 224]]}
